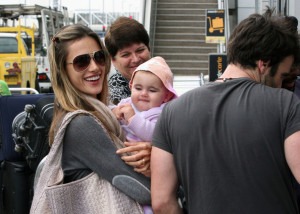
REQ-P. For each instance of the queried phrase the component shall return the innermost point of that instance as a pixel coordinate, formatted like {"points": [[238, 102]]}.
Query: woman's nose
{"points": [[135, 57], [93, 65]]}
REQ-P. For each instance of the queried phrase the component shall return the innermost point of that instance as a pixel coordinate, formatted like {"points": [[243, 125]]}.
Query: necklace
{"points": [[225, 79]]}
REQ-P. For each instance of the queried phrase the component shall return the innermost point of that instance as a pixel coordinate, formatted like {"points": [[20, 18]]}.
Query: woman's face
{"points": [[129, 58], [90, 80]]}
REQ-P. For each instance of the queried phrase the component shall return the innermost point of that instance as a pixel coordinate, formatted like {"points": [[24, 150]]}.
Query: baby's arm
{"points": [[143, 127]]}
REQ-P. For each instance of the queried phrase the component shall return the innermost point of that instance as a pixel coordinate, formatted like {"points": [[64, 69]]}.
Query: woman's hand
{"points": [[140, 156]]}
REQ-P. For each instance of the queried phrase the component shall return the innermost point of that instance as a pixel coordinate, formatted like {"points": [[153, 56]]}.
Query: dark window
{"points": [[8, 45]]}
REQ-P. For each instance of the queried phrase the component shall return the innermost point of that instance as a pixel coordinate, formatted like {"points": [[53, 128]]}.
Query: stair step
{"points": [[192, 30], [183, 36], [184, 42], [189, 71], [185, 50], [181, 4], [185, 23], [187, 63], [179, 11], [182, 56], [181, 17]]}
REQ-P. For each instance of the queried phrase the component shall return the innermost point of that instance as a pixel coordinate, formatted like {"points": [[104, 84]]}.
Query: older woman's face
{"points": [[129, 58], [90, 80]]}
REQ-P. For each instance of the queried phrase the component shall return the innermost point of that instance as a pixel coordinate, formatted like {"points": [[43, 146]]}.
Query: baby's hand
{"points": [[117, 112], [127, 112]]}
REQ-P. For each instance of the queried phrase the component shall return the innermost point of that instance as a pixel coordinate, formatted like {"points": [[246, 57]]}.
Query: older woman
{"points": [[79, 68], [127, 42]]}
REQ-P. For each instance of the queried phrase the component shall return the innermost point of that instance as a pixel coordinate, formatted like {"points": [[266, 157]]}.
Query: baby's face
{"points": [[147, 91]]}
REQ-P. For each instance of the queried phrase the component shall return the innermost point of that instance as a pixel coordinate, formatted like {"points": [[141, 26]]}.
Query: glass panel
{"points": [[8, 45]]}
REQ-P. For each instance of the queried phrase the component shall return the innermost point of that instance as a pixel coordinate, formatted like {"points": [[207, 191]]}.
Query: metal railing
{"points": [[24, 89], [153, 25], [182, 83]]}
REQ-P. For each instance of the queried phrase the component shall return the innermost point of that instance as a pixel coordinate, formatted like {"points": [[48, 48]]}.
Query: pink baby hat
{"points": [[158, 66]]}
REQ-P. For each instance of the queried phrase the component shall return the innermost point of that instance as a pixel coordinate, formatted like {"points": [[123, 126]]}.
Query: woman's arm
{"points": [[142, 127], [87, 146]]}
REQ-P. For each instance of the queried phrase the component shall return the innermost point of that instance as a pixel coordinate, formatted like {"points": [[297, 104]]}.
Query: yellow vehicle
{"points": [[17, 65], [49, 22]]}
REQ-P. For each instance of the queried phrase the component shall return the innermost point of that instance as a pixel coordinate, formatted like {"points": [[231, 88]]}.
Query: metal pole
{"points": [[90, 13], [227, 24], [142, 12], [25, 16], [221, 46], [103, 6], [113, 7], [104, 13]]}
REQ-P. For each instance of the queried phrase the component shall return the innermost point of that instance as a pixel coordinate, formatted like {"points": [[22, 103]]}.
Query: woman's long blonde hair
{"points": [[67, 97]]}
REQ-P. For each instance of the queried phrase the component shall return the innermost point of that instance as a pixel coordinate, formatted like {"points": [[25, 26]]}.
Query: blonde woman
{"points": [[79, 68]]}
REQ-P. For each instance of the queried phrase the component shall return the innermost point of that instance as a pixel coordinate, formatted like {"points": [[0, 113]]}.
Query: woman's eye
{"points": [[140, 50]]}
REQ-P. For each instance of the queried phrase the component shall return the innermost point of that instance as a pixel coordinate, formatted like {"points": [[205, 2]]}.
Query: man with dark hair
{"points": [[234, 144]]}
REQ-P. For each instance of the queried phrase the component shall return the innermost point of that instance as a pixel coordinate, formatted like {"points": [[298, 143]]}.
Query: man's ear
{"points": [[168, 97], [262, 66]]}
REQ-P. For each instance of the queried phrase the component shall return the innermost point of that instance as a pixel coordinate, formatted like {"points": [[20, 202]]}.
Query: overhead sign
{"points": [[215, 30], [217, 65]]}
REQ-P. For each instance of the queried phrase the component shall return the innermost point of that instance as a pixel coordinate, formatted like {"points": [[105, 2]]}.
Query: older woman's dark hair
{"points": [[264, 37], [124, 32]]}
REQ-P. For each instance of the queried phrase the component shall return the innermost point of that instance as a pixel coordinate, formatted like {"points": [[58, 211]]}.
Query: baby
{"points": [[151, 87]]}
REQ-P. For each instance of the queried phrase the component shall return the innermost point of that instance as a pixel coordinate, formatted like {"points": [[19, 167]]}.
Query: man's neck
{"points": [[237, 71]]}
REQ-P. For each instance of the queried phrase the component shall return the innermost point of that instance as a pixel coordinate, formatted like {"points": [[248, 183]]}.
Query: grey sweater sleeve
{"points": [[88, 148]]}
